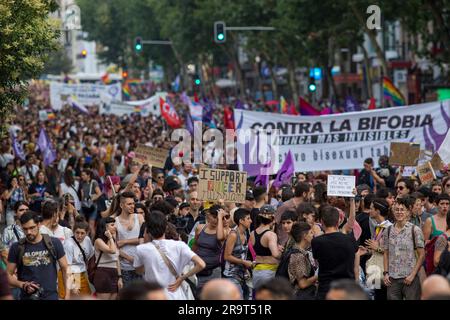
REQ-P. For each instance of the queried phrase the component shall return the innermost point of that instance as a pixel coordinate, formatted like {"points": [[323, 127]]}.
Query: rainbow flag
{"points": [[283, 105], [51, 115], [137, 109], [392, 93], [105, 78], [126, 91]]}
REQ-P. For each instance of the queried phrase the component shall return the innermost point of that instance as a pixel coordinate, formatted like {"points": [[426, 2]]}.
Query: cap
{"points": [[267, 209], [249, 195]]}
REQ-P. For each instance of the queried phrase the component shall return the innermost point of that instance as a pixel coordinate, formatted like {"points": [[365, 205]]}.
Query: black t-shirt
{"points": [[254, 215], [335, 253], [37, 265], [363, 220]]}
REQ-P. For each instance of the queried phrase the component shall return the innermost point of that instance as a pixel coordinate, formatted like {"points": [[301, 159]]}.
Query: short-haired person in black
{"points": [[367, 225], [261, 196], [334, 251], [35, 258]]}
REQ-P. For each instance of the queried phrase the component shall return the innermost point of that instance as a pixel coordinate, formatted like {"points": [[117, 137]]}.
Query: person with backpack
{"points": [[434, 227], [300, 269], [441, 256], [107, 279], [35, 258], [79, 250], [401, 242]]}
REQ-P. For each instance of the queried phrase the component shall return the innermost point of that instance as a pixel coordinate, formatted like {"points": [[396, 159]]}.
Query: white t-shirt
{"points": [[156, 270], [66, 189], [62, 233], [74, 256], [5, 158]]}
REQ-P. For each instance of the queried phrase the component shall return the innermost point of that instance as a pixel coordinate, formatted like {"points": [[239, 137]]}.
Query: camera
{"points": [[37, 294]]}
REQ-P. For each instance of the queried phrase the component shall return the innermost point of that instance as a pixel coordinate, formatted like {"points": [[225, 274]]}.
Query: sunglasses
{"points": [[400, 188], [160, 177], [226, 217], [447, 185]]}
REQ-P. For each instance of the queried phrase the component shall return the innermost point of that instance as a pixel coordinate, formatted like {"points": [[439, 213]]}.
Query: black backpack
{"points": [[283, 266], [48, 244]]}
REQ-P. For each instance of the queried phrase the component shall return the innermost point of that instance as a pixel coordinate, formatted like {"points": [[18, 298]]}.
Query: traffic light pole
{"points": [[161, 42], [250, 28]]}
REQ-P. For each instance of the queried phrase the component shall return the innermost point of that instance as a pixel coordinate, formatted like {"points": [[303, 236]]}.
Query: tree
{"points": [[27, 36], [58, 62]]}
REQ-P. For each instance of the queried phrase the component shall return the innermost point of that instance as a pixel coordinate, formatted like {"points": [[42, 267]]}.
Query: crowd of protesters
{"points": [[96, 224]]}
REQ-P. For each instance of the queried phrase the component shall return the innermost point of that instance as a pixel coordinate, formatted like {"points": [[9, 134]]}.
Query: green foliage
{"points": [[27, 36]]}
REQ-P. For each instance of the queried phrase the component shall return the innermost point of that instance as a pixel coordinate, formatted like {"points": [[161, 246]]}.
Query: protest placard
{"points": [[340, 186], [155, 157], [404, 154], [436, 162], [216, 184], [426, 173]]}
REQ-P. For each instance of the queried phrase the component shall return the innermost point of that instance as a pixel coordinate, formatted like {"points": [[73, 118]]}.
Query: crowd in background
{"points": [[96, 222]]}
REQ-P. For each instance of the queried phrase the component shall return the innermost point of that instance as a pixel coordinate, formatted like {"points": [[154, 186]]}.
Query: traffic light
{"points": [[124, 74], [138, 44], [83, 53], [220, 32], [312, 84], [197, 80]]}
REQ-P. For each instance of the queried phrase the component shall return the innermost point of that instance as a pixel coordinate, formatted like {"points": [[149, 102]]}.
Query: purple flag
{"points": [[286, 171], [351, 105], [18, 152], [184, 98], [45, 145], [262, 180], [238, 104], [208, 114], [189, 124]]}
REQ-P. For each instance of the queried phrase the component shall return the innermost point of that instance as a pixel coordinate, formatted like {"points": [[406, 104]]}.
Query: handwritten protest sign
{"points": [[340, 186], [155, 157], [426, 173], [436, 162], [216, 184], [404, 154]]}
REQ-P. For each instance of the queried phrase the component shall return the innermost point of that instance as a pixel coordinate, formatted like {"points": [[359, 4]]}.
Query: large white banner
{"points": [[343, 141], [85, 93], [144, 107]]}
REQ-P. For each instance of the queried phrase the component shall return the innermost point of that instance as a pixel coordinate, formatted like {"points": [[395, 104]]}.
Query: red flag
{"points": [[293, 109], [306, 109], [169, 113], [228, 118], [372, 105]]}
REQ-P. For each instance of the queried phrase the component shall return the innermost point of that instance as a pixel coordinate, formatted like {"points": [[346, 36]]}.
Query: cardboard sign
{"points": [[155, 157], [409, 171], [436, 162], [216, 184], [340, 186], [404, 154], [426, 173]]}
